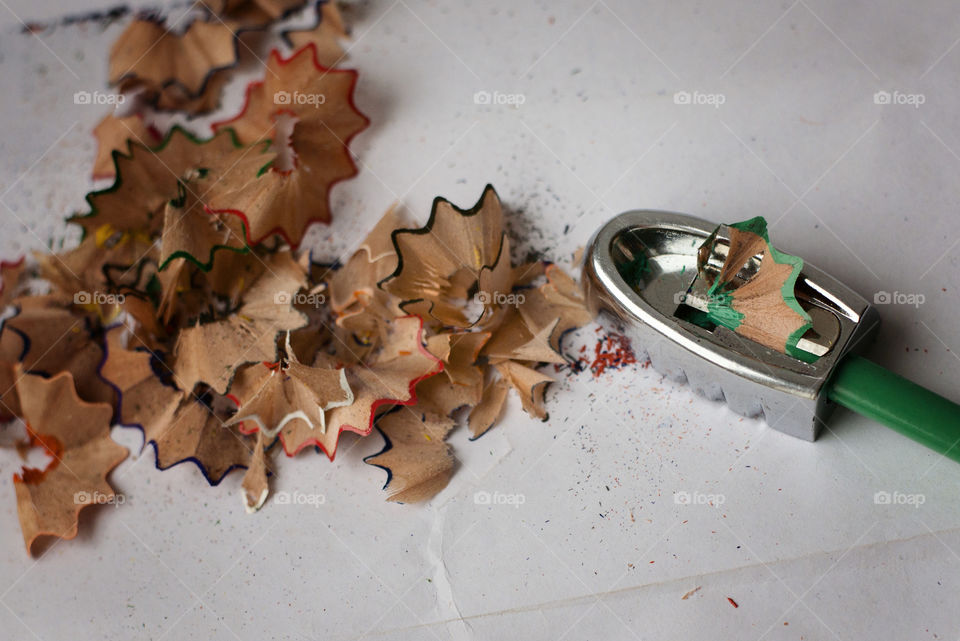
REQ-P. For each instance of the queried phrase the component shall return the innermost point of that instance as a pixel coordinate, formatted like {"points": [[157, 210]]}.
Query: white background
{"points": [[599, 548]]}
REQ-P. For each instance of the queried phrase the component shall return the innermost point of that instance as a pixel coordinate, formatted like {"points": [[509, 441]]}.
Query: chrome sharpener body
{"points": [[639, 268]]}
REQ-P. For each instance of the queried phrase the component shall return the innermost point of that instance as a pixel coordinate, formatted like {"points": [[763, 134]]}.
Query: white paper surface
{"points": [[598, 546]]}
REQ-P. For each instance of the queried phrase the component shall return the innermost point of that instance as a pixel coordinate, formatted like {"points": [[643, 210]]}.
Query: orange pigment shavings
{"points": [[52, 446]]}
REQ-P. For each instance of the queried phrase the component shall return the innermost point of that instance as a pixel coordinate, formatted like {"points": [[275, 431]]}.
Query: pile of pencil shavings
{"points": [[188, 310]]}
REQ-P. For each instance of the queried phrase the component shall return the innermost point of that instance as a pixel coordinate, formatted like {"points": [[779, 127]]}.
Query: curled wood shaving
{"points": [[76, 435]]}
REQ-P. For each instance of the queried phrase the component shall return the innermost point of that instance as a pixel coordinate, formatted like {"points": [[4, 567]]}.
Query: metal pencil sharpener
{"points": [[642, 267]]}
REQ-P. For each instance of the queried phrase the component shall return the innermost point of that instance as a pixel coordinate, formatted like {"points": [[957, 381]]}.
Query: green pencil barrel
{"points": [[914, 411]]}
